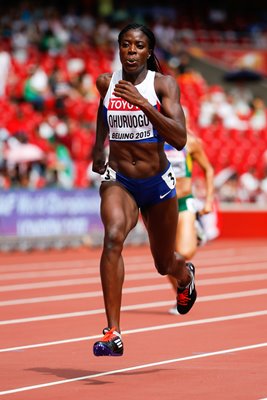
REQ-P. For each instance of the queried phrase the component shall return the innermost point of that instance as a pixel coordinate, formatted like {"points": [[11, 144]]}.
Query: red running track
{"points": [[52, 312]]}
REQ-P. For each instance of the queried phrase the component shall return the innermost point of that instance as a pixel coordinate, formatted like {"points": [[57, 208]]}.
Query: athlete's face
{"points": [[134, 51]]}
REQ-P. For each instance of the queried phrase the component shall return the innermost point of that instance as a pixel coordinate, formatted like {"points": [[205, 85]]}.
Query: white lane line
{"points": [[205, 255], [130, 277], [216, 297], [140, 330], [137, 289], [215, 269], [85, 269], [137, 367], [83, 295], [58, 264], [74, 282], [47, 274]]}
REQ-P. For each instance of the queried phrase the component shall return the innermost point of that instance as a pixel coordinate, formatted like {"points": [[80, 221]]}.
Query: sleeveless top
{"points": [[127, 122], [181, 161]]}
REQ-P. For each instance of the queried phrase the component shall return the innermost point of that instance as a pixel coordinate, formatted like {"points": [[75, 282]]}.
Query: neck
{"points": [[135, 78]]}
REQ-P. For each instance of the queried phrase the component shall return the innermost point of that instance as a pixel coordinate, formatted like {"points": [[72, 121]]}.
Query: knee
{"points": [[188, 253], [187, 249], [161, 270], [164, 267], [173, 265], [114, 237]]}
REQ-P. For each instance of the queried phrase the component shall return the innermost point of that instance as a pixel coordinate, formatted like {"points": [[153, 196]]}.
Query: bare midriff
{"points": [[183, 187], [137, 160]]}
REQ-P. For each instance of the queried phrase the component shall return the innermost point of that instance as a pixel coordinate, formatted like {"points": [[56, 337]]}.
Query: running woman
{"points": [[138, 111], [190, 234]]}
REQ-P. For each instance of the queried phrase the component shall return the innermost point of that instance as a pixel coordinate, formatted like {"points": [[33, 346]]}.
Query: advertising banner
{"points": [[49, 212]]}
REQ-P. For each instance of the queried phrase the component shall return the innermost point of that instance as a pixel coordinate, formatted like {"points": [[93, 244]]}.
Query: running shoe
{"points": [[186, 297], [110, 345]]}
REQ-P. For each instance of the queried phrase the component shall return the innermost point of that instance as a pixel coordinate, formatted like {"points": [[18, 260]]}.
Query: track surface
{"points": [[52, 312]]}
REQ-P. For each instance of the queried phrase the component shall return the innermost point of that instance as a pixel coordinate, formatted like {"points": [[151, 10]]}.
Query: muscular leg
{"points": [[186, 239], [119, 214], [161, 222]]}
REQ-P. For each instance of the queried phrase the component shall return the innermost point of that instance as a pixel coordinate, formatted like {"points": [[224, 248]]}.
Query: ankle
{"points": [[183, 284]]}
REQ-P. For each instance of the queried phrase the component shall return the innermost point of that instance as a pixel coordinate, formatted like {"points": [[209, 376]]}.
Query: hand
{"points": [[205, 210], [99, 162], [126, 90]]}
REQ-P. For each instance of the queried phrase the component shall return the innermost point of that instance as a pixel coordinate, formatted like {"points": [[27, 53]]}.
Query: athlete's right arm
{"points": [[170, 121], [99, 156]]}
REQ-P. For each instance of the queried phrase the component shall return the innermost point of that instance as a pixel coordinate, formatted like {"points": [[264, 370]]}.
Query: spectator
{"points": [[5, 65], [258, 118], [36, 89], [249, 185], [63, 164]]}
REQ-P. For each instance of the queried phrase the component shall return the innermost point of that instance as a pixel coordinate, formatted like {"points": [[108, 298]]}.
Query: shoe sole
{"points": [[173, 311], [100, 349]]}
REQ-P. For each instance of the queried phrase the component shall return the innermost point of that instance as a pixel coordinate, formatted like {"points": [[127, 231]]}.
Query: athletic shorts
{"points": [[147, 191], [187, 203]]}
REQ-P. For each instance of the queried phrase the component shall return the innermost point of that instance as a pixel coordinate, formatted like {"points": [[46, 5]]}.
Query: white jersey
{"points": [[181, 161], [127, 122]]}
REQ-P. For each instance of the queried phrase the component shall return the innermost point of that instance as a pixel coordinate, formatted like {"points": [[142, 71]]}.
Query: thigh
{"points": [[161, 223], [118, 208]]}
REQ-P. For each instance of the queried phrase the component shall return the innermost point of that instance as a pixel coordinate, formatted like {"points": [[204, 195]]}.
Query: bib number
{"points": [[169, 178], [109, 175]]}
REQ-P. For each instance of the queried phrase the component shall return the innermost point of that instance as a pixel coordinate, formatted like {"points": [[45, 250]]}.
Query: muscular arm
{"points": [[170, 123], [199, 156], [99, 156]]}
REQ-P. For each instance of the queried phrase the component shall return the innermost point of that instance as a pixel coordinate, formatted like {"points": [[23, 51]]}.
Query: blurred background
{"points": [[51, 53]]}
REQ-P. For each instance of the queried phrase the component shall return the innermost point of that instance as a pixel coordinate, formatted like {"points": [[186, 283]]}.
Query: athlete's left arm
{"points": [[99, 154], [199, 156], [170, 122]]}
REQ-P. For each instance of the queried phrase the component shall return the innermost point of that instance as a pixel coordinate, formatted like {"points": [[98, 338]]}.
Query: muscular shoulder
{"points": [[102, 83], [165, 84]]}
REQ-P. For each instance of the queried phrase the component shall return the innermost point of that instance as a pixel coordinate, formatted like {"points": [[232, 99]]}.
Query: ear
{"points": [[149, 55]]}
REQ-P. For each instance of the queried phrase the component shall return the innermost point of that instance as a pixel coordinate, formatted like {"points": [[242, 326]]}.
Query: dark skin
{"points": [[119, 211]]}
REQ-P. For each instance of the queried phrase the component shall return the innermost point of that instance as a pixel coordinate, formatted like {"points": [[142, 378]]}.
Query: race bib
{"points": [[169, 178], [109, 175]]}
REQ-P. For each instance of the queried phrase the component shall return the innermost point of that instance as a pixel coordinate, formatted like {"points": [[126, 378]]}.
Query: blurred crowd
{"points": [[49, 62], [48, 98]]}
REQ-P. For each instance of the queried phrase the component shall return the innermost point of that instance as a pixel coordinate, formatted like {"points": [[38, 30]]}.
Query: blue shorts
{"points": [[147, 191]]}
